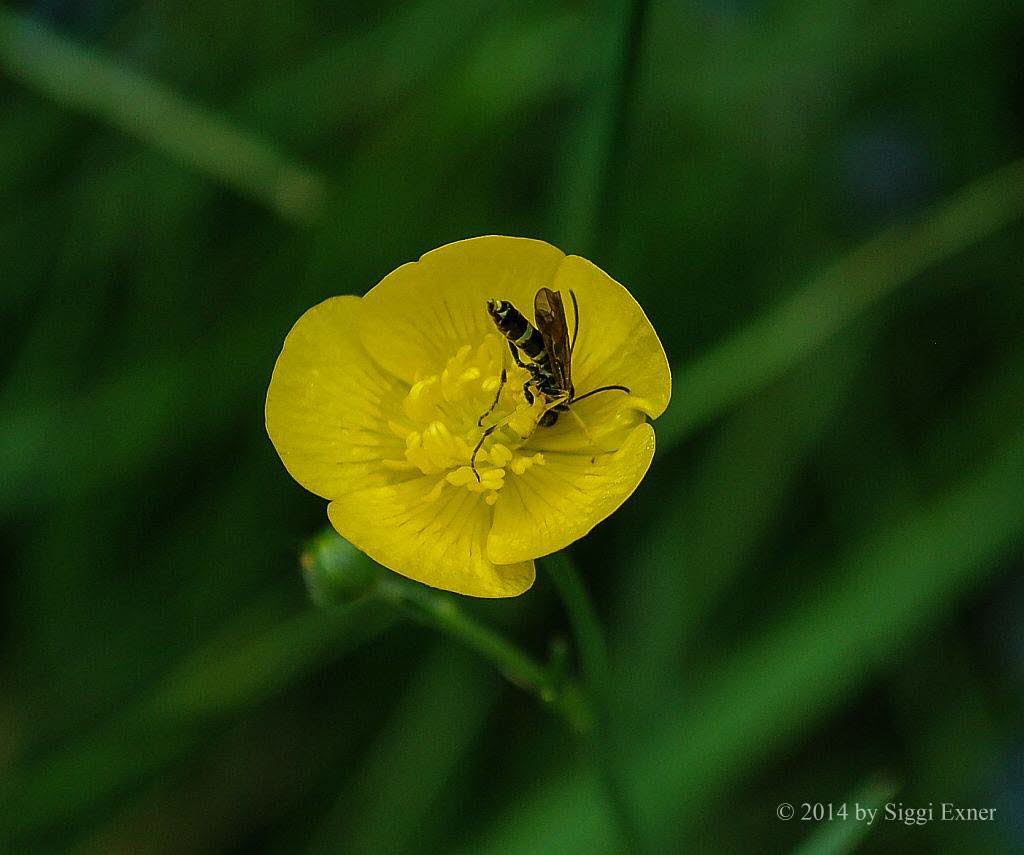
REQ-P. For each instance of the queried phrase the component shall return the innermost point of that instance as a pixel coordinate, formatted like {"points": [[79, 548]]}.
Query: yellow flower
{"points": [[375, 404]]}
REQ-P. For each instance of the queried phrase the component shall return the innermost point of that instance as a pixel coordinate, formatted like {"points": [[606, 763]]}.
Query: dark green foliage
{"points": [[818, 584]]}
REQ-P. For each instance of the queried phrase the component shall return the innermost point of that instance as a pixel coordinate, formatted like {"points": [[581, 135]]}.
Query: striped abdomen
{"points": [[513, 325]]}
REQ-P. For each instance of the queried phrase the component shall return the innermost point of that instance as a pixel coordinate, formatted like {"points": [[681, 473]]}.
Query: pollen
{"points": [[447, 413]]}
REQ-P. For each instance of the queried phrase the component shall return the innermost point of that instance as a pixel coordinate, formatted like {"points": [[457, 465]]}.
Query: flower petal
{"points": [[423, 312], [555, 503], [617, 344], [435, 539], [328, 402], [601, 423]]}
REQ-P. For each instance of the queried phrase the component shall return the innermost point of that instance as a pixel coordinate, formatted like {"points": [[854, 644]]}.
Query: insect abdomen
{"points": [[513, 325]]}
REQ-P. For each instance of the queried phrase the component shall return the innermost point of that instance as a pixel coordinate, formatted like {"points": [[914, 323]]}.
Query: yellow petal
{"points": [[617, 344], [601, 423], [559, 501], [439, 541], [328, 404], [422, 313]]}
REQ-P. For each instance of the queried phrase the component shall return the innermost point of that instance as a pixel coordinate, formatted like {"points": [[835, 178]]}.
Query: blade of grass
{"points": [[588, 203], [86, 81], [774, 342]]}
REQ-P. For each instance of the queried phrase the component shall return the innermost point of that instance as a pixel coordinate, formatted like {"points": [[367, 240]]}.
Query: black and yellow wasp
{"points": [[548, 351]]}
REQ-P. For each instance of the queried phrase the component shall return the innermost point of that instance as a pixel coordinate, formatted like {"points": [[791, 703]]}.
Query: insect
{"points": [[548, 351]]}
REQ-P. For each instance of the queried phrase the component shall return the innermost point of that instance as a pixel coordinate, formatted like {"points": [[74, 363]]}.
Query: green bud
{"points": [[335, 571]]}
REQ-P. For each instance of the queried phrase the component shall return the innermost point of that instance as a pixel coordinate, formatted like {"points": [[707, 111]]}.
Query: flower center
{"points": [[446, 415]]}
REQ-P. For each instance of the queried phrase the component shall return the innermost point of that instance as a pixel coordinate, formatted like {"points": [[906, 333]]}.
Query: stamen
{"points": [[443, 411]]}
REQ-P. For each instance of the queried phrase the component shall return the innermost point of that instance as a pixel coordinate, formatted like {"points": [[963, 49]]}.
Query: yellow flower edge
{"points": [[374, 404]]}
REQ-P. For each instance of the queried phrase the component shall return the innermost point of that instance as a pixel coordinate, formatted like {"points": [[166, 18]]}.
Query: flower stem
{"points": [[594, 661], [439, 611]]}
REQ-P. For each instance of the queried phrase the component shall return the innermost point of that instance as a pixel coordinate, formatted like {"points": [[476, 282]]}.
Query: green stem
{"points": [[439, 611], [594, 660]]}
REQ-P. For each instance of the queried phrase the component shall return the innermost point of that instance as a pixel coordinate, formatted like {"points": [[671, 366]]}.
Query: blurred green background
{"points": [[817, 586]]}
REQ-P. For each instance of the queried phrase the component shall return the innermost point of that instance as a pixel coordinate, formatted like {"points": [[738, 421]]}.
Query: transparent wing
{"points": [[549, 314]]}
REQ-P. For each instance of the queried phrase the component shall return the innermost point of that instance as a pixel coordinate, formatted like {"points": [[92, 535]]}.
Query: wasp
{"points": [[548, 350]]}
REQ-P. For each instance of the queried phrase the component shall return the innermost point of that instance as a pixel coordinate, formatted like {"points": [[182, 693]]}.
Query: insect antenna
{"points": [[575, 320], [601, 389]]}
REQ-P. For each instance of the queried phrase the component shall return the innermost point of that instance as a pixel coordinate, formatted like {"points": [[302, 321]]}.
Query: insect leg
{"points": [[590, 437], [498, 424], [497, 397], [515, 356], [476, 451], [552, 407], [583, 427], [536, 378]]}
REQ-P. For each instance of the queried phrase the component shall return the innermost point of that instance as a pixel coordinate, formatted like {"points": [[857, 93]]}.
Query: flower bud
{"points": [[335, 571]]}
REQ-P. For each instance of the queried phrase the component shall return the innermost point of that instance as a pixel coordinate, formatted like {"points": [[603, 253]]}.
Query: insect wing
{"points": [[549, 312]]}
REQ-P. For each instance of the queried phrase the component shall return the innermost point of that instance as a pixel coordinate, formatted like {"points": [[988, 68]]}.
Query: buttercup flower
{"points": [[377, 403]]}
